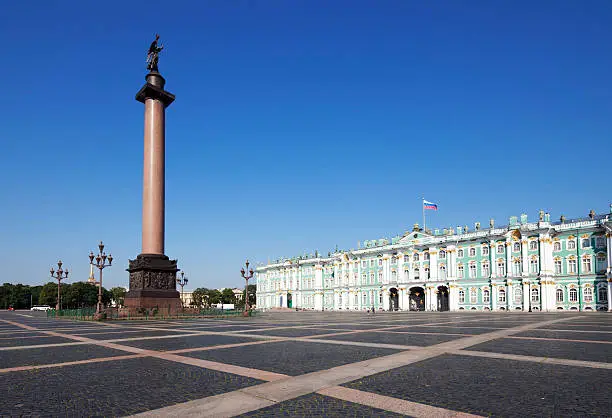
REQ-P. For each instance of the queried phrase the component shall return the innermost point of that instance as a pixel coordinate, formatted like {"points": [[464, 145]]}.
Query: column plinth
{"points": [[152, 273]]}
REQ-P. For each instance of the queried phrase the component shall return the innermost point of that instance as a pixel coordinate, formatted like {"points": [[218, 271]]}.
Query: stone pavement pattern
{"points": [[309, 364]]}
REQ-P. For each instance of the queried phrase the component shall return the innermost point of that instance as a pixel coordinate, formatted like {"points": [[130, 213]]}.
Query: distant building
{"points": [[523, 266]]}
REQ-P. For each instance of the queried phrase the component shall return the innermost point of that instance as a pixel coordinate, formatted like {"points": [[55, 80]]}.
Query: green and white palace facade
{"points": [[524, 266]]}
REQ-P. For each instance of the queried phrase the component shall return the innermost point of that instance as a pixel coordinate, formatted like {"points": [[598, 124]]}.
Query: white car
{"points": [[40, 308]]}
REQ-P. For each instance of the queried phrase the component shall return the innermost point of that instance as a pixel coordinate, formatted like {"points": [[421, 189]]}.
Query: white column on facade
{"points": [[508, 258], [492, 258], [509, 295], [580, 286], [433, 263], [526, 295], [525, 257], [451, 265], [494, 296], [609, 269], [385, 293], [453, 297], [609, 295]]}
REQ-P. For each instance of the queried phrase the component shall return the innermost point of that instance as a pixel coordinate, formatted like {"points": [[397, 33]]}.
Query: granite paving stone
{"points": [[52, 355], [115, 336], [291, 357], [294, 332], [315, 405], [117, 388], [17, 341], [394, 338], [496, 387], [446, 330], [547, 348], [542, 333], [179, 343]]}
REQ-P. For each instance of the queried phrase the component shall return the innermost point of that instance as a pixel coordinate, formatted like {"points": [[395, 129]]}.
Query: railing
{"points": [[88, 314]]}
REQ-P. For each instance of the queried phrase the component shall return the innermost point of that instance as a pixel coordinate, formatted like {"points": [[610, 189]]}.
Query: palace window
{"points": [[501, 268], [516, 247], [602, 294], [559, 294], [442, 272], [533, 265], [486, 296], [586, 265], [557, 266], [485, 250], [459, 253], [557, 246], [415, 257], [416, 274], [380, 298], [356, 299], [472, 271], [461, 296], [518, 295], [380, 261], [339, 299], [371, 278], [500, 249], [426, 270], [588, 294], [394, 276], [406, 259], [601, 262], [371, 263], [394, 260], [535, 295], [571, 244], [571, 266], [473, 296], [380, 277], [533, 245], [472, 252], [600, 242], [485, 270], [573, 295], [365, 299], [364, 278], [426, 256], [501, 296], [460, 272], [442, 254], [364, 264], [516, 268], [586, 243], [406, 273]]}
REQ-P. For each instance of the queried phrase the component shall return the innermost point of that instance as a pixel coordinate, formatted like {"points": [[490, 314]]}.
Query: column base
{"points": [[153, 284]]}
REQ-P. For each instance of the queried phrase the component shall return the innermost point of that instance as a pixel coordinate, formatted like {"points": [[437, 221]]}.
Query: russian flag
{"points": [[429, 205]]}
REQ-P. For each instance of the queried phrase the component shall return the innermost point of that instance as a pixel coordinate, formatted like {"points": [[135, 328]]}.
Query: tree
{"points": [[48, 294], [227, 296], [80, 295], [199, 297], [214, 296], [118, 295]]}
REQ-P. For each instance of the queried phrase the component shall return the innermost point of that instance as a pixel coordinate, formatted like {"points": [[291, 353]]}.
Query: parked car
{"points": [[10, 308], [40, 308]]}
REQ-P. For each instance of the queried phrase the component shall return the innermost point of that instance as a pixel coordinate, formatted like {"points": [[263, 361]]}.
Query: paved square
{"points": [[310, 364]]}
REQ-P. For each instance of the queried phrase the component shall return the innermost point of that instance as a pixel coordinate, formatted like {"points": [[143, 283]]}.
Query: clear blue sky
{"points": [[298, 125]]}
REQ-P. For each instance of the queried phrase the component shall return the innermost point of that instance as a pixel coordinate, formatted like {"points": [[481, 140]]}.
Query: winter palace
{"points": [[524, 266]]}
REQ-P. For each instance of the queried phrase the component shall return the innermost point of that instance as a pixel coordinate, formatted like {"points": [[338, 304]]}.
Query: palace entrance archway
{"points": [[289, 300], [393, 299], [417, 299], [443, 298]]}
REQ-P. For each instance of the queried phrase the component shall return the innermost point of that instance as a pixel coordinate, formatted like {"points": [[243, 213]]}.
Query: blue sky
{"points": [[298, 125]]}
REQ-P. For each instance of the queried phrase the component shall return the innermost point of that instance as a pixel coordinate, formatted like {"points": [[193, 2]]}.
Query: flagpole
{"points": [[423, 207]]}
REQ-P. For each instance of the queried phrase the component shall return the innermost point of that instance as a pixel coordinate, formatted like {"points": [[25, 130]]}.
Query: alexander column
{"points": [[152, 273]]}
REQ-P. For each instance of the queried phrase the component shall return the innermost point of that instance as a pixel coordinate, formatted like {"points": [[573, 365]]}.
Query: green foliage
{"points": [[118, 295], [74, 295], [227, 296]]}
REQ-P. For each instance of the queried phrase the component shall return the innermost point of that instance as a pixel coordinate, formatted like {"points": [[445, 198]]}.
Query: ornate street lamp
{"points": [[182, 282], [59, 275], [100, 263], [246, 277]]}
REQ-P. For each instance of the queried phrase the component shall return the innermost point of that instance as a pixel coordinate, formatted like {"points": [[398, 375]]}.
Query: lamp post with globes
{"points": [[246, 276], [182, 282], [101, 263], [59, 275]]}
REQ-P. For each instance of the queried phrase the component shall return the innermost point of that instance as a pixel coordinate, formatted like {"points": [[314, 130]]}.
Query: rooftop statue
{"points": [[153, 55]]}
